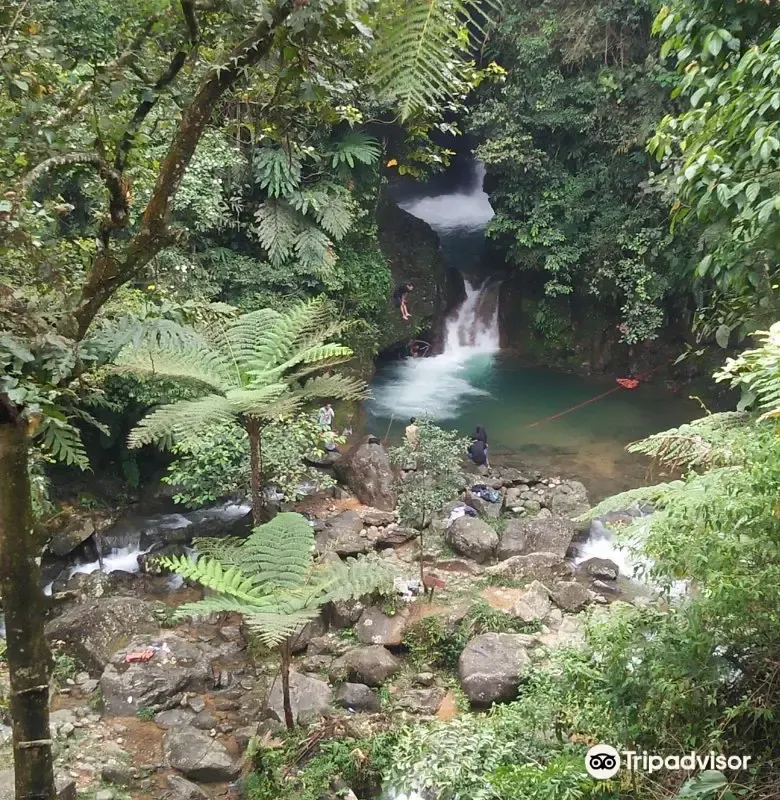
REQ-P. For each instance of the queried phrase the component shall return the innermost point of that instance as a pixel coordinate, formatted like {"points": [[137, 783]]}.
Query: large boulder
{"points": [[71, 536], [177, 666], [198, 756], [343, 535], [602, 569], [358, 697], [376, 627], [571, 596], [421, 701], [473, 538], [93, 631], [379, 518], [492, 666], [570, 499], [366, 469], [182, 789], [370, 665], [544, 567], [309, 698], [533, 604], [524, 536]]}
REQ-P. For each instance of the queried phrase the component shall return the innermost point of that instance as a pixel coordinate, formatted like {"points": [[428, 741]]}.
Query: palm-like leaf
{"points": [[271, 579], [254, 366], [421, 50]]}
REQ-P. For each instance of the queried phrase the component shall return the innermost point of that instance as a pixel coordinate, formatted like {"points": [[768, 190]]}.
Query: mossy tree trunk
{"points": [[29, 658]]}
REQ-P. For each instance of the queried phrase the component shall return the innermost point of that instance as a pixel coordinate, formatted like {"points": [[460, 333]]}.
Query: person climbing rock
{"points": [[325, 417], [399, 299], [413, 433]]}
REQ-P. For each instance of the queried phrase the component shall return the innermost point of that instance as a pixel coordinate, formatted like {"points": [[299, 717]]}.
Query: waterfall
{"points": [[473, 326], [439, 386]]}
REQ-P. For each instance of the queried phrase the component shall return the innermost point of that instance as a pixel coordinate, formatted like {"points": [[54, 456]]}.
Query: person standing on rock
{"points": [[399, 299], [413, 433], [478, 449], [325, 417]]}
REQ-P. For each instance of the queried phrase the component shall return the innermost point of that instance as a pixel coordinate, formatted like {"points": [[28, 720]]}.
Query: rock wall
{"points": [[414, 256]]}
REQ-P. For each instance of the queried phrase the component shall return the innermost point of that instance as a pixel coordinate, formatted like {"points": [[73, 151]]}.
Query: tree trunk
{"points": [[256, 472], [422, 552], [286, 653], [29, 659]]}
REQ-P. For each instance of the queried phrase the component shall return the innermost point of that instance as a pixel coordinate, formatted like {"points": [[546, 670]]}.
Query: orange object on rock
{"points": [[628, 383], [140, 656]]}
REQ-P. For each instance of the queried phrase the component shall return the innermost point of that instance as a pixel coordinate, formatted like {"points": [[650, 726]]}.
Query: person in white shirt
{"points": [[325, 416]]}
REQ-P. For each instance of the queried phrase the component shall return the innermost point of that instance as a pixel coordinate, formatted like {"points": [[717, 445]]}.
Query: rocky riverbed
{"points": [[176, 721]]}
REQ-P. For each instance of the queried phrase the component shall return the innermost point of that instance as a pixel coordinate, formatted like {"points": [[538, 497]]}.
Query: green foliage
{"points": [[271, 578], [720, 153], [65, 668], [757, 373], [563, 144], [438, 477], [431, 643], [359, 763], [218, 465], [146, 714]]}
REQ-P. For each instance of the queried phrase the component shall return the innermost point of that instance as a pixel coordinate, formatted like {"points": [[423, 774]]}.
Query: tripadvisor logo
{"points": [[603, 762]]}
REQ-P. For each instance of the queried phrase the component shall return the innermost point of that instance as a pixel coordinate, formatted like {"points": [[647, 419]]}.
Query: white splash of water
{"points": [[468, 210], [123, 559]]}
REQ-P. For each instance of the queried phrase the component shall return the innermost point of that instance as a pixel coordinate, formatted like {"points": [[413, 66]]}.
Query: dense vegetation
{"points": [[189, 217]]}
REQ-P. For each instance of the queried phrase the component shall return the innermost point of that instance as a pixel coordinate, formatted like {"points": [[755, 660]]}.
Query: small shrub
{"points": [[65, 667], [145, 714]]}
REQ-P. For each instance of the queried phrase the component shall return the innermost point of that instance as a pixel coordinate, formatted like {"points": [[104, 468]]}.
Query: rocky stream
{"points": [[145, 708]]}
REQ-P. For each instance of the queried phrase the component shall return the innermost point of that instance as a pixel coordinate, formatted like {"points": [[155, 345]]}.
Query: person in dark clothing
{"points": [[480, 435], [399, 299], [477, 452]]}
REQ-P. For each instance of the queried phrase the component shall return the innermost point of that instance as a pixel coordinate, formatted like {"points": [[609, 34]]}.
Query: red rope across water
{"points": [[574, 408]]}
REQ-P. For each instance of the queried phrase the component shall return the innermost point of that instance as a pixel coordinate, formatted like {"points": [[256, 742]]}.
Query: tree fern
{"points": [[254, 369], [272, 580], [336, 216], [421, 50]]}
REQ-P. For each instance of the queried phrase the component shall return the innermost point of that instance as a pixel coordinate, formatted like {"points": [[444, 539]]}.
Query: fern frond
{"points": [[273, 629], [624, 500], [183, 422], [334, 386], [357, 577], [244, 339], [335, 216], [714, 440], [314, 251], [279, 553], [277, 228], [355, 148], [277, 171], [422, 53], [255, 401], [197, 363], [63, 441], [210, 572]]}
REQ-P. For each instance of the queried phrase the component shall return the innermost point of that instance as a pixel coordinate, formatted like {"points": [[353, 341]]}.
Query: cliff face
{"points": [[414, 256]]}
